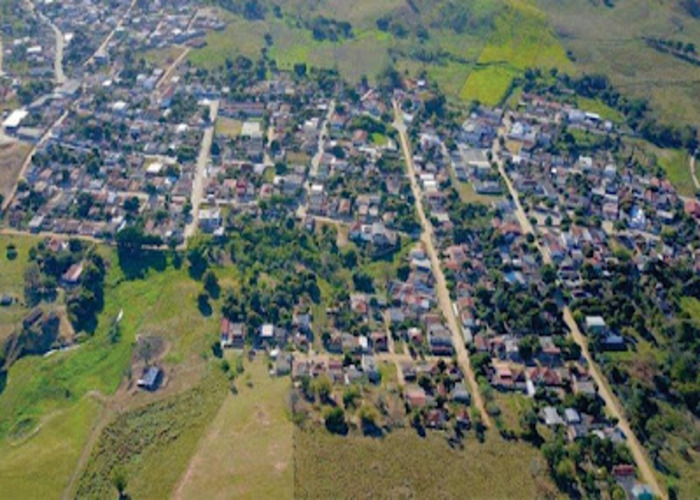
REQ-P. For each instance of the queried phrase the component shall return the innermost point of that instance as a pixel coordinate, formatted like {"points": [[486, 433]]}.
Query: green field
{"points": [[404, 465], [676, 164], [610, 41], [12, 282], [489, 85], [39, 465], [247, 449]]}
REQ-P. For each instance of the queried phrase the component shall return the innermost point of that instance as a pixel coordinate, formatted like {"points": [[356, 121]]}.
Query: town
{"points": [[495, 234]]}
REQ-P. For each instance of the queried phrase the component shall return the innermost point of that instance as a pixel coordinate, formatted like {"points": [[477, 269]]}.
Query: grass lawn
{"points": [[407, 466], [40, 465], [511, 406], [676, 164], [247, 449], [595, 106], [12, 281], [691, 305], [227, 127]]}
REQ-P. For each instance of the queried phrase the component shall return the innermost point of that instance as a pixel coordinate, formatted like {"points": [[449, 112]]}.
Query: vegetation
{"points": [[156, 441], [328, 466]]}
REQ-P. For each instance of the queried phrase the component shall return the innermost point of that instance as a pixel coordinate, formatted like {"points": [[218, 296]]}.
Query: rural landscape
{"points": [[330, 249]]}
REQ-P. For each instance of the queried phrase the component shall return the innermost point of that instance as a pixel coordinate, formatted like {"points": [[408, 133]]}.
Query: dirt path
{"points": [[171, 69], [106, 415], [443, 293], [59, 75], [692, 170], [611, 402], [108, 38]]}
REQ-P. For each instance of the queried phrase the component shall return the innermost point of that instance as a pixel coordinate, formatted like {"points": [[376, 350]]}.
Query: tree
{"points": [[211, 284], [120, 482], [335, 421], [323, 387]]}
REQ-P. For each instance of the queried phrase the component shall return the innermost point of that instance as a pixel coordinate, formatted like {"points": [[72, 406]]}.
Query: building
{"points": [[151, 379]]}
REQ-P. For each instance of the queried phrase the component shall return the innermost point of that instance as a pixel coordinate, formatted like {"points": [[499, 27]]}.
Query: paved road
{"points": [[444, 299], [201, 170], [611, 402]]}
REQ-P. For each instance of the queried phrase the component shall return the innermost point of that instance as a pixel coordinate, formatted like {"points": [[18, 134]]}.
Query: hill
{"points": [[475, 48]]}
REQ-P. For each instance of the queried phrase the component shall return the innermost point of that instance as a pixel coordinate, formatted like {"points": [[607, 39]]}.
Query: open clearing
{"points": [[38, 465], [404, 465], [247, 449], [12, 282], [12, 156]]}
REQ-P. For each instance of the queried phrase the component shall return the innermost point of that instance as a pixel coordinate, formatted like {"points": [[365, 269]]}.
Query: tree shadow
{"points": [[136, 267]]}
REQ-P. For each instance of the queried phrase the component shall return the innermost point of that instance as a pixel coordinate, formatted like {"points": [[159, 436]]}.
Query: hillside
{"points": [[475, 48]]}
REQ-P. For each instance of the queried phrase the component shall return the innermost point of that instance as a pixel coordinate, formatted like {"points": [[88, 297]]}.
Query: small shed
{"points": [[151, 379]]}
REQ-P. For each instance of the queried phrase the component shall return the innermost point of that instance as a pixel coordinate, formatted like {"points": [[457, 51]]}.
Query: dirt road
{"points": [[201, 170], [692, 170], [105, 43], [611, 402], [444, 299], [28, 160]]}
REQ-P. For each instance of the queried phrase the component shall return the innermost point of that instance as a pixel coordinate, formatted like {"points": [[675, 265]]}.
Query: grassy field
{"points": [[43, 392], [610, 41], [39, 465], [488, 85], [404, 465], [523, 39], [676, 164], [227, 127], [247, 449], [153, 444], [12, 281]]}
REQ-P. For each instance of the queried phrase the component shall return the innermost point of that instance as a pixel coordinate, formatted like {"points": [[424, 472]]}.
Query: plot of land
{"points": [[228, 127], [38, 465], [488, 85], [12, 156], [247, 450], [404, 465]]}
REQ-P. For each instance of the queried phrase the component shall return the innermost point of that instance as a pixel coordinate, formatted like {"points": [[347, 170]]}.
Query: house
{"points": [[210, 219], [416, 397], [551, 417], [232, 334], [440, 340], [369, 368], [72, 276], [613, 342], [283, 364], [267, 334], [642, 492], [151, 378], [595, 325], [380, 341], [461, 395]]}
